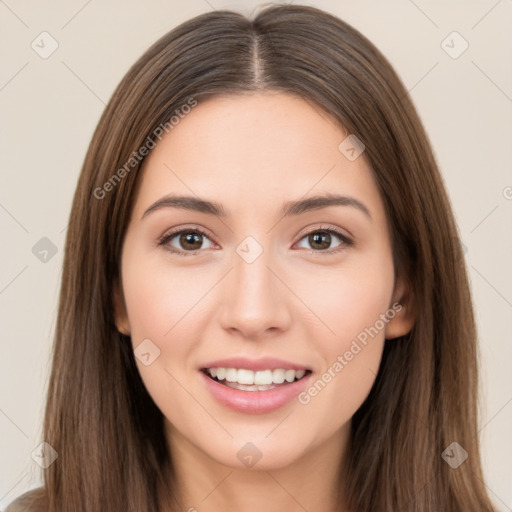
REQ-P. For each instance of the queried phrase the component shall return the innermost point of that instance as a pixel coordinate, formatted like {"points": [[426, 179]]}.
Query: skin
{"points": [[296, 301]]}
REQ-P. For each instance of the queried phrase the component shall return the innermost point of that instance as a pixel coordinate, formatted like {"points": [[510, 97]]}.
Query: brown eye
{"points": [[185, 240], [320, 240], [189, 240]]}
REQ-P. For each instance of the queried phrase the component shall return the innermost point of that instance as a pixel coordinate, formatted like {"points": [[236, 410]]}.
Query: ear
{"points": [[402, 304], [120, 313]]}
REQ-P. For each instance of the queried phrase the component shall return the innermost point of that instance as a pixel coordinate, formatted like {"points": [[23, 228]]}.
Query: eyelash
{"points": [[166, 238]]}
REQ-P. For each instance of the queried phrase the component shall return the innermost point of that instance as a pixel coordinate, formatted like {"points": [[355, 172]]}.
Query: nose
{"points": [[256, 303]]}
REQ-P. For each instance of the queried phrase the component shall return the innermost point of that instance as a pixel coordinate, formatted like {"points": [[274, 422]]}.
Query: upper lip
{"points": [[263, 363]]}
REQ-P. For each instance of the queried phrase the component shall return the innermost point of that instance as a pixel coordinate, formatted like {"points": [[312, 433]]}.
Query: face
{"points": [[256, 286]]}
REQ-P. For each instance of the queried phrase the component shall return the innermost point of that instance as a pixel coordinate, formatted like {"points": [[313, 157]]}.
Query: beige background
{"points": [[49, 108]]}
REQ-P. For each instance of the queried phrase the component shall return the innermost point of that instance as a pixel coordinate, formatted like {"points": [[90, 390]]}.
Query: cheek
{"points": [[163, 306], [158, 298], [351, 305], [350, 299]]}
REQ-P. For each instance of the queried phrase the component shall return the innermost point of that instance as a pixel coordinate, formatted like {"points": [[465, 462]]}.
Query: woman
{"points": [[209, 355]]}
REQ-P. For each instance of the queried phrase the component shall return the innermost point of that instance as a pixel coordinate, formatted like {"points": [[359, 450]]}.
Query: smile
{"points": [[250, 380], [254, 391]]}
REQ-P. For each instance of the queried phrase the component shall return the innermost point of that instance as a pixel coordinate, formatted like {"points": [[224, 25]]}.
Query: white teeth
{"points": [[278, 376], [255, 378], [262, 377], [289, 375], [244, 387], [245, 377], [231, 375]]}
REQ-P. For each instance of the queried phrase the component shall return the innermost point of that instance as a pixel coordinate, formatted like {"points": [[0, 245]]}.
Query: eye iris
{"points": [[316, 238], [192, 240], [188, 239]]}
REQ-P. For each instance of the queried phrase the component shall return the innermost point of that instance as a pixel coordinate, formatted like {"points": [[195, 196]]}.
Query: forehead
{"points": [[264, 128], [254, 150]]}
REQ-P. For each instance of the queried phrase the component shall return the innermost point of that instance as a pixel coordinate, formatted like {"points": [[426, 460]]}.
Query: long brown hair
{"points": [[99, 417]]}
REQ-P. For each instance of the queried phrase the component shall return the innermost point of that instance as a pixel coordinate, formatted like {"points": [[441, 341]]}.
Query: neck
{"points": [[313, 481]]}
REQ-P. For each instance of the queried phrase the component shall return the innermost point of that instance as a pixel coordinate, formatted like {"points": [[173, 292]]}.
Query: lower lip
{"points": [[255, 402]]}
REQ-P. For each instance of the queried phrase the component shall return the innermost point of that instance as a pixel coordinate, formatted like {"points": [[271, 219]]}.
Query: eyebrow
{"points": [[289, 208]]}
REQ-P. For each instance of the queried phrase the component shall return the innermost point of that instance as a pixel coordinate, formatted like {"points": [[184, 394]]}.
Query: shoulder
{"points": [[31, 501]]}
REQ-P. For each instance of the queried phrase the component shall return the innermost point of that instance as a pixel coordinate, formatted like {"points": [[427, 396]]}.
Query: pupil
{"points": [[317, 236], [191, 238]]}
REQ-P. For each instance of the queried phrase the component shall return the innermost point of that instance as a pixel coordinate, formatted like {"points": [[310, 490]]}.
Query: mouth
{"points": [[244, 379], [254, 385]]}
